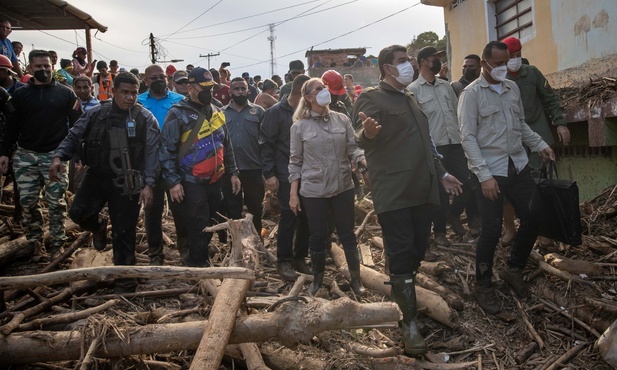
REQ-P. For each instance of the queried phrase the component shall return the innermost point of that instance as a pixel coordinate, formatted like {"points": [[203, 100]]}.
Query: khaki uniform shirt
{"points": [[438, 102], [493, 129]]}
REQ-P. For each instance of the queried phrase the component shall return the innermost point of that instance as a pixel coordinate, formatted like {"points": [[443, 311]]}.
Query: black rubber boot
{"points": [[353, 264], [319, 266], [404, 294], [99, 237]]}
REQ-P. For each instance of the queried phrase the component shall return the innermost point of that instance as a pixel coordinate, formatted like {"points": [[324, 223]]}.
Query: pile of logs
{"points": [[241, 314], [594, 93]]}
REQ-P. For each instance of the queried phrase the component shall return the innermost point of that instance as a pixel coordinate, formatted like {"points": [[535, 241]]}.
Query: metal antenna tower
{"points": [[271, 38]]}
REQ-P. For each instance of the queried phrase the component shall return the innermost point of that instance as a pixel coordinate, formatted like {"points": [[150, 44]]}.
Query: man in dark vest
{"points": [[119, 143]]}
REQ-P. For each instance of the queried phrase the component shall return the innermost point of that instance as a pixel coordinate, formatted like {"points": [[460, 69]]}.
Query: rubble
{"points": [[81, 325]]}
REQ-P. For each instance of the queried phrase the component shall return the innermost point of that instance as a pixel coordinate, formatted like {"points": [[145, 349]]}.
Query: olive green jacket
{"points": [[403, 166], [540, 102]]}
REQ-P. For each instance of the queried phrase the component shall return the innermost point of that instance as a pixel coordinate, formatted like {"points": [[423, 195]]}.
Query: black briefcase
{"points": [[561, 219]]}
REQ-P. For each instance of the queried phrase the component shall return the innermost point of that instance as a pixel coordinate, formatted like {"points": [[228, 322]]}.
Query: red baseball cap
{"points": [[514, 44]]}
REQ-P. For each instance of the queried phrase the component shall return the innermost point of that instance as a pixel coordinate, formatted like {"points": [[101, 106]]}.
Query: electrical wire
{"points": [[194, 19], [247, 17], [335, 38]]}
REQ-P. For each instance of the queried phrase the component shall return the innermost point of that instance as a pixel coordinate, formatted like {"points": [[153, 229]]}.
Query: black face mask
{"points": [[470, 74], [436, 67], [205, 97], [158, 87], [240, 99], [42, 75], [416, 73]]}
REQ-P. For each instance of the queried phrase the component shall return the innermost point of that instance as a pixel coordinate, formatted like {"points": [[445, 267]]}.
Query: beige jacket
{"points": [[320, 151], [493, 129]]}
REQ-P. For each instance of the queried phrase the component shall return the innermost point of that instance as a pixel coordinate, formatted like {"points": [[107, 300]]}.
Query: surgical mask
{"points": [[240, 99], [405, 73], [470, 74], [514, 64], [43, 75], [436, 66], [498, 73], [205, 97], [323, 98], [158, 87]]}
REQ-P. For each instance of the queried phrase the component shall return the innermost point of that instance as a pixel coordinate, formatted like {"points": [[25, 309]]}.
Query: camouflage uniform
{"points": [[31, 172]]}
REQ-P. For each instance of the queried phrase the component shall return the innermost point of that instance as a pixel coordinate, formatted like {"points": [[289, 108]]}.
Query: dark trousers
{"points": [[251, 194], [201, 201], [341, 207], [405, 236], [521, 191], [153, 220], [96, 190], [287, 247], [455, 162]]}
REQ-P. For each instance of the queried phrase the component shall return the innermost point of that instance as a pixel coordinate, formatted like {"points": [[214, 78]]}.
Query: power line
{"points": [[258, 33], [246, 17], [56, 37], [337, 37], [266, 25], [194, 19]]}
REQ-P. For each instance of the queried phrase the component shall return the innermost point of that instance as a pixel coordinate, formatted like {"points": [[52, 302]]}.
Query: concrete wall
{"points": [[574, 37]]}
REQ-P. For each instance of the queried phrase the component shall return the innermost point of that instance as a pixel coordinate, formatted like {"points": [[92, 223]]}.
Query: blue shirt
{"points": [[7, 50], [86, 105], [159, 107]]}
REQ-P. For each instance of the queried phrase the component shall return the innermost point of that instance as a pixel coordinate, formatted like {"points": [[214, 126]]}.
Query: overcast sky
{"points": [[187, 28]]}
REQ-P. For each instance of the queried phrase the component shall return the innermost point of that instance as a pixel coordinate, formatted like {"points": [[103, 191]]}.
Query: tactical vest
{"points": [[95, 149]]}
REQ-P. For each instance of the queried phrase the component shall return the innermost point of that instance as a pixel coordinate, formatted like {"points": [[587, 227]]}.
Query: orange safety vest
{"points": [[104, 88]]}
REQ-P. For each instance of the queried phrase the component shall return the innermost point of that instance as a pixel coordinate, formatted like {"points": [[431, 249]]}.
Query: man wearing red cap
{"points": [[542, 107]]}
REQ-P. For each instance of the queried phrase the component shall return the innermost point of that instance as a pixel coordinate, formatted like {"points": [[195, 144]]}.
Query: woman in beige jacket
{"points": [[322, 144]]}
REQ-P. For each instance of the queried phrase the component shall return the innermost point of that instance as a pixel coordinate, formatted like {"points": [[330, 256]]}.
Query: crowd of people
{"points": [[212, 143]]}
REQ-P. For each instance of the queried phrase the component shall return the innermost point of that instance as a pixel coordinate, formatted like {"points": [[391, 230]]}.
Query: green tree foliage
{"points": [[428, 38]]}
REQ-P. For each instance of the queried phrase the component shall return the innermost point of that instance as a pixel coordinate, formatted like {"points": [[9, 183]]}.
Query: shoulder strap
{"points": [[184, 148]]}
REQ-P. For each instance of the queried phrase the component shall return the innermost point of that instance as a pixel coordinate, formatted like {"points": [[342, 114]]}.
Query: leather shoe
{"points": [[285, 271], [99, 237]]}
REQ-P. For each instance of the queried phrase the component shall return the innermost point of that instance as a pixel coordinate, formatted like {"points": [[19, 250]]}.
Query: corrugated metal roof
{"points": [[46, 15]]}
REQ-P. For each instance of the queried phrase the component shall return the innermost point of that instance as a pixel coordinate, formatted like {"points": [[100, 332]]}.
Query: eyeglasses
{"points": [[161, 77], [318, 88], [182, 82]]}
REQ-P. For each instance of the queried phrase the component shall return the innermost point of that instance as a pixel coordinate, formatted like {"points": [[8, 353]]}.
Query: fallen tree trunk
{"points": [[292, 323], [576, 267], [431, 303], [114, 272], [21, 246]]}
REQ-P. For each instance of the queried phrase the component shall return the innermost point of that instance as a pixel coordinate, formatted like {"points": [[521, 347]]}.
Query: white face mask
{"points": [[514, 64], [498, 73], [405, 73], [323, 98]]}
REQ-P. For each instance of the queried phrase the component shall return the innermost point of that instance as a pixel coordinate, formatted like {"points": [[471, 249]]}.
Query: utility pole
{"points": [[271, 38], [209, 55], [152, 49]]}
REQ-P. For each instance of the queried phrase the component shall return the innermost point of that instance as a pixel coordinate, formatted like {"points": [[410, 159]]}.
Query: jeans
{"points": [[405, 236], [455, 162], [251, 194], [342, 208], [522, 192], [201, 201], [287, 247], [95, 190]]}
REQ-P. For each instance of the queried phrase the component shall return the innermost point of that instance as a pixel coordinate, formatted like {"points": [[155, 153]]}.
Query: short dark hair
{"points": [[36, 53], [257, 77], [65, 63], [487, 53], [82, 78], [474, 57], [215, 73], [237, 79], [125, 77], [16, 43], [298, 82], [113, 63], [347, 75], [386, 56]]}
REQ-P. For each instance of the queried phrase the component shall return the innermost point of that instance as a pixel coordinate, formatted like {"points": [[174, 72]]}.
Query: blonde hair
{"points": [[304, 107]]}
